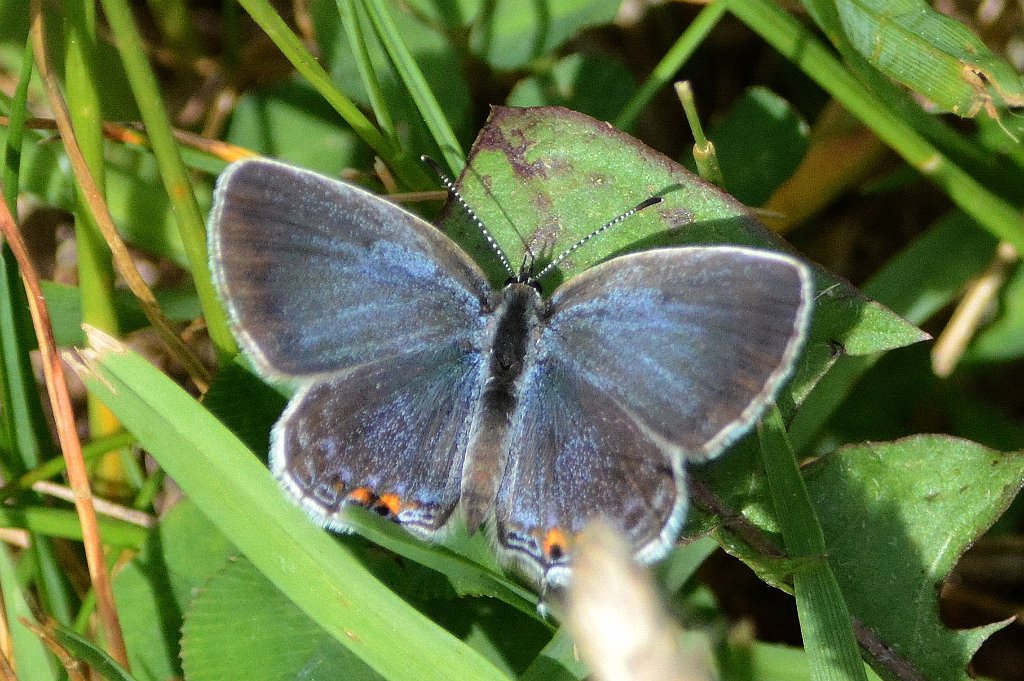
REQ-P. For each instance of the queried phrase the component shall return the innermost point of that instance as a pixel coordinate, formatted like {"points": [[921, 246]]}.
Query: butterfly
{"points": [[427, 395]]}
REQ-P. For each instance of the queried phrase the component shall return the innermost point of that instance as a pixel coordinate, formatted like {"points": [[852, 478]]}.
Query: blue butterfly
{"points": [[426, 395]]}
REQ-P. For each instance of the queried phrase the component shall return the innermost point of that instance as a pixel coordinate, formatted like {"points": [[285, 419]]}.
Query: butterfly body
{"points": [[427, 395], [512, 334]]}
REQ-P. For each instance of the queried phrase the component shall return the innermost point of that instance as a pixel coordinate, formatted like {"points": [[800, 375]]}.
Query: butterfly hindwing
{"points": [[576, 455], [388, 435]]}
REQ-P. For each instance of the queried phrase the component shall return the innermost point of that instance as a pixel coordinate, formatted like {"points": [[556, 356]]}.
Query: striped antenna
{"points": [[447, 182], [647, 203]]}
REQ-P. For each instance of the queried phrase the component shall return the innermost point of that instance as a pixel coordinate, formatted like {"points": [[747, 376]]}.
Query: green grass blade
{"points": [[57, 522], [239, 495], [824, 618], [95, 265], [417, 85], [16, 133], [795, 42], [83, 649], [172, 170], [405, 167], [669, 66], [28, 654], [348, 10]]}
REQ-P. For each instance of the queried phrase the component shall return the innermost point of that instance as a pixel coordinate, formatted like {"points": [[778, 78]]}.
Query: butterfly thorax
{"points": [[514, 326]]}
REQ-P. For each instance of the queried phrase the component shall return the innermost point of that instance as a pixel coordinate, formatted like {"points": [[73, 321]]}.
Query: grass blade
{"points": [[240, 496]]}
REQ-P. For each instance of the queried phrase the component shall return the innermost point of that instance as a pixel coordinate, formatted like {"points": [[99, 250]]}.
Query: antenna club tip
{"points": [[649, 202]]}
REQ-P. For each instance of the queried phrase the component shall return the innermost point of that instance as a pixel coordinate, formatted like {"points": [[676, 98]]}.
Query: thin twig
{"points": [[963, 325], [94, 198], [103, 507], [64, 418], [60, 401], [135, 134]]}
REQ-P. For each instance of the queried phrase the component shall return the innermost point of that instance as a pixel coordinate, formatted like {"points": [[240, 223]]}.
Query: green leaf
{"points": [[896, 518], [240, 627], [279, 121], [760, 142], [241, 498], [510, 33], [592, 84], [183, 551], [548, 176], [931, 54]]}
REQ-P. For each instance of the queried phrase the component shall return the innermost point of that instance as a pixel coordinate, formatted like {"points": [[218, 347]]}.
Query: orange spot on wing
{"points": [[391, 502], [361, 495], [556, 544]]}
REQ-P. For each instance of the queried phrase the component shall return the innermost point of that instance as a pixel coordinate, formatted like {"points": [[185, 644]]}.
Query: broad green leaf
{"points": [[280, 120], [451, 15], [240, 627], [592, 84], [932, 54], [240, 496], [184, 551], [509, 33], [896, 517], [759, 143], [548, 176]]}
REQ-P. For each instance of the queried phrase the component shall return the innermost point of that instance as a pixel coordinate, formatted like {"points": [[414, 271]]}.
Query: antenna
{"points": [[447, 182], [646, 203]]}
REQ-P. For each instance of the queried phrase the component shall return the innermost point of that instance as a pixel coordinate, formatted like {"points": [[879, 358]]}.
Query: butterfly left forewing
{"points": [[694, 342], [319, 275]]}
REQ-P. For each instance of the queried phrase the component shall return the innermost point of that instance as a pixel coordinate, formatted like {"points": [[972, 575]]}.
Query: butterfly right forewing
{"points": [[319, 275]]}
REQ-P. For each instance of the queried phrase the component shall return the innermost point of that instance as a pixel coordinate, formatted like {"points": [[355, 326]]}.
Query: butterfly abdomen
{"points": [[514, 329]]}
